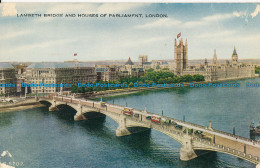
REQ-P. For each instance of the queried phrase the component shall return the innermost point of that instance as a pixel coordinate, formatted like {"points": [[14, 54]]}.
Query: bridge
{"points": [[195, 139]]}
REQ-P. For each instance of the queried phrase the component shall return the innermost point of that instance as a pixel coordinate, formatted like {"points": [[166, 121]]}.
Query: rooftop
{"points": [[5, 65], [234, 51], [60, 65], [129, 62]]}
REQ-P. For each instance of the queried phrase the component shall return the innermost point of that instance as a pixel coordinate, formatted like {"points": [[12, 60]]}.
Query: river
{"points": [[39, 138]]}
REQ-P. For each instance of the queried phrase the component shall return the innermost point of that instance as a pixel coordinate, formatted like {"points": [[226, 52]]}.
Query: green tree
{"points": [[131, 84], [150, 70], [165, 69], [74, 89]]}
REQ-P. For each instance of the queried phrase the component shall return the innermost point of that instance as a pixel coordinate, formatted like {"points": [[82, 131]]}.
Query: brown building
{"points": [[107, 72], [180, 56]]}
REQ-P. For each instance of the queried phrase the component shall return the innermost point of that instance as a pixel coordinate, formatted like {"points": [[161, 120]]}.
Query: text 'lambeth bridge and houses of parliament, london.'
{"points": [[195, 139]]}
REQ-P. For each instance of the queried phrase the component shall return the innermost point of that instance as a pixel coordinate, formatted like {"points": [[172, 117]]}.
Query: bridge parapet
{"points": [[197, 143], [224, 149], [253, 142], [202, 144], [82, 102]]}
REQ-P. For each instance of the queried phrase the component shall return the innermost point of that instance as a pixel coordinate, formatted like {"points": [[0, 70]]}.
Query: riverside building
{"points": [[7, 79], [214, 71], [58, 73]]}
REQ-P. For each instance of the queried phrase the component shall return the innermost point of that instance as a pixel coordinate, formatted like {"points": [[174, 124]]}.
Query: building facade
{"points": [[142, 59], [180, 56], [214, 71], [58, 73], [107, 72], [7, 80]]}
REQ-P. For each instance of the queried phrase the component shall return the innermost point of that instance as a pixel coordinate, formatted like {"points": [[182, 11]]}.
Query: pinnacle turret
{"points": [[234, 51]]}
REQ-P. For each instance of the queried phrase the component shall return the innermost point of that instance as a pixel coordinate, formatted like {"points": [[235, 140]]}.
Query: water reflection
{"points": [[6, 119]]}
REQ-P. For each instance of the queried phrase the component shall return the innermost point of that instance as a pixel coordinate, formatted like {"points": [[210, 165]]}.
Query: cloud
{"points": [[209, 19], [164, 22], [219, 34], [40, 45], [9, 9], [147, 41], [217, 17], [257, 10], [11, 35], [241, 15]]}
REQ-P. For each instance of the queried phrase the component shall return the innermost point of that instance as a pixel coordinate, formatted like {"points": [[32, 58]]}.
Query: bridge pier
{"points": [[79, 115], [122, 130], [186, 151], [53, 108]]}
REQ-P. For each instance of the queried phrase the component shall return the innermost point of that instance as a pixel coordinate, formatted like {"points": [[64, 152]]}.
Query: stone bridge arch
{"points": [[191, 147], [45, 102]]}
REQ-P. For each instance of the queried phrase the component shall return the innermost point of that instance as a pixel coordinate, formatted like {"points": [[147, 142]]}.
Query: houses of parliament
{"points": [[211, 72]]}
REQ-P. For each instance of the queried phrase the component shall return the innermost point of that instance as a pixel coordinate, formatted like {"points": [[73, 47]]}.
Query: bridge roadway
{"points": [[192, 144]]}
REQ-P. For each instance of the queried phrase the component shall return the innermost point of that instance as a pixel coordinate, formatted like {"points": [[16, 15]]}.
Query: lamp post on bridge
{"points": [[210, 126], [145, 109]]}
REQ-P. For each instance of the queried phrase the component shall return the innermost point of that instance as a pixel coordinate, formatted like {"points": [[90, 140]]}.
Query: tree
{"points": [[74, 89], [198, 78], [257, 70], [81, 90], [150, 70], [165, 69], [131, 84]]}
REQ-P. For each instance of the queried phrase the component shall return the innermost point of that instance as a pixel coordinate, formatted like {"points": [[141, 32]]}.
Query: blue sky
{"points": [[206, 26]]}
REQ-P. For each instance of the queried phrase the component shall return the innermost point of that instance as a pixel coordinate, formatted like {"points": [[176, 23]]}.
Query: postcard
{"points": [[135, 85]]}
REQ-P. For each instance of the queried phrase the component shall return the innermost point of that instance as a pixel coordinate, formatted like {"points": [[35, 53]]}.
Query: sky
{"points": [[206, 26]]}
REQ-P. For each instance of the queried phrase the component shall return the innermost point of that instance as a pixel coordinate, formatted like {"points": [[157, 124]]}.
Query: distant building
{"points": [[142, 59], [20, 81], [7, 79], [129, 69], [214, 71], [20, 69], [58, 73], [180, 56], [129, 62], [107, 72], [215, 59], [159, 64]]}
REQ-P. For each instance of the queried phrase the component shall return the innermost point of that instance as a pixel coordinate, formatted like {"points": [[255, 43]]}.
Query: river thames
{"points": [[39, 138]]}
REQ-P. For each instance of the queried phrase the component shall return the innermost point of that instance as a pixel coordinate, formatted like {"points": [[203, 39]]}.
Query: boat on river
{"points": [[254, 130]]}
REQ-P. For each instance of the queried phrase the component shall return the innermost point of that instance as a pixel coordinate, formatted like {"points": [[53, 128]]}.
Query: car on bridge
{"points": [[102, 104], [190, 131], [156, 118], [178, 127], [149, 117], [206, 137], [198, 133], [128, 111]]}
